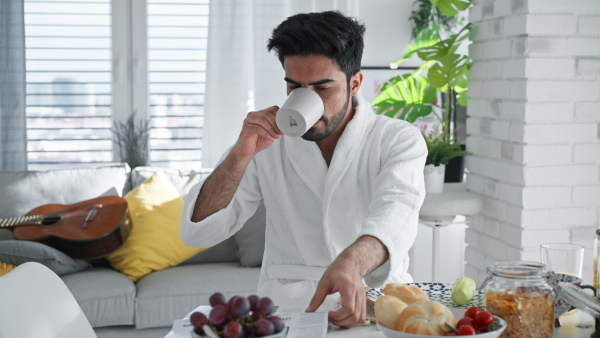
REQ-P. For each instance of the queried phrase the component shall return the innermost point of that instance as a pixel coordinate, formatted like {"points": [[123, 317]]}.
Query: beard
{"points": [[330, 124]]}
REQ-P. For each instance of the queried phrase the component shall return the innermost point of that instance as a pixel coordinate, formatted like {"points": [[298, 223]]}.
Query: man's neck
{"points": [[327, 145]]}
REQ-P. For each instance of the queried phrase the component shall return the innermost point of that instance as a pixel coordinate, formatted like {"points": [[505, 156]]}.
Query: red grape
{"points": [[265, 306], [263, 328], [230, 303], [217, 298], [277, 322], [217, 316], [253, 299], [240, 307], [198, 320], [233, 330]]}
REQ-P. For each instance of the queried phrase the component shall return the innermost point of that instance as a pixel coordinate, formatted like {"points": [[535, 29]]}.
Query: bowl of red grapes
{"points": [[238, 317]]}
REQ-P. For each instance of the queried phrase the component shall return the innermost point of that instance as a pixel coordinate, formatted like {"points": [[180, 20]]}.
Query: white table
{"points": [[439, 210], [568, 329]]}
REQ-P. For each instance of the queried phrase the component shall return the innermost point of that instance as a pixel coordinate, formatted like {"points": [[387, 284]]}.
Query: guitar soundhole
{"points": [[50, 219]]}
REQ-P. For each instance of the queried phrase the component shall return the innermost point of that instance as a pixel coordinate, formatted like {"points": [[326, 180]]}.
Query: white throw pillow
{"points": [[24, 190], [183, 180]]}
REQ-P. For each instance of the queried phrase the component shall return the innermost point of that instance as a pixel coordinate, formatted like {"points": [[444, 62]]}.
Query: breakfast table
{"points": [[569, 329]]}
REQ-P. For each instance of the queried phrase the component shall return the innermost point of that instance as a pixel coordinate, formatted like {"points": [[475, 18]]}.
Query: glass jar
{"points": [[517, 291]]}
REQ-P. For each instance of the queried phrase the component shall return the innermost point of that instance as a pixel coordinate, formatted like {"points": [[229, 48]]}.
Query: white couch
{"points": [[114, 305]]}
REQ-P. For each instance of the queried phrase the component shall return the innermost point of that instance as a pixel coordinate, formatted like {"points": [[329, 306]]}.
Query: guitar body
{"points": [[74, 233]]}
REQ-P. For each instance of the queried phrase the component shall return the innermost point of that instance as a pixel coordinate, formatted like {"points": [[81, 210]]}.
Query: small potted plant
{"points": [[440, 152], [132, 140]]}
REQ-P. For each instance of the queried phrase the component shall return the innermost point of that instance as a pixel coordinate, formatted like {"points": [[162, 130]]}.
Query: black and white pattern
{"points": [[439, 292]]}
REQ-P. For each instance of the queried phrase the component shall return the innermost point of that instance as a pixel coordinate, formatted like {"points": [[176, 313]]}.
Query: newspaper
{"points": [[304, 324]]}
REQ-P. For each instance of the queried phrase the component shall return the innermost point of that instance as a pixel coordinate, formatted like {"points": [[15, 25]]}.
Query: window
{"points": [[68, 83], [177, 39], [93, 62]]}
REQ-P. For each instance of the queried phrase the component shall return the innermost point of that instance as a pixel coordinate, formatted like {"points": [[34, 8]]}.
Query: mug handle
{"points": [[589, 287]]}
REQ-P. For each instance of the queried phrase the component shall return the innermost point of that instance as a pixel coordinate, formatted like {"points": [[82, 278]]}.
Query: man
{"points": [[342, 201]]}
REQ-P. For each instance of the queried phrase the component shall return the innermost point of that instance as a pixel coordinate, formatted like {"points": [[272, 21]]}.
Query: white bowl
{"points": [[397, 334]]}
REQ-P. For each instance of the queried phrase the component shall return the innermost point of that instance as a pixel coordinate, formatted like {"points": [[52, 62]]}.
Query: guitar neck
{"points": [[18, 221]]}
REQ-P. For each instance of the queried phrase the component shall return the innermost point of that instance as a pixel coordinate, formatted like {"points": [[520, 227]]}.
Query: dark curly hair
{"points": [[328, 33]]}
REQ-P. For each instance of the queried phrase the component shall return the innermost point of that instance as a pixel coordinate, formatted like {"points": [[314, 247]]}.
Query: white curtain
{"points": [[241, 75], [13, 132]]}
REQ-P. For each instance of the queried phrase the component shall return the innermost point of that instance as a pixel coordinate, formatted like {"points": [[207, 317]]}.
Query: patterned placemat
{"points": [[439, 292]]}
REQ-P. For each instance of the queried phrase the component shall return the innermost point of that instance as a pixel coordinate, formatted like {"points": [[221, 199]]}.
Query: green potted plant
{"points": [[444, 70]]}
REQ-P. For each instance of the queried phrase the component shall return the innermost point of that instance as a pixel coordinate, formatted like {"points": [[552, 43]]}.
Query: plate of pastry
{"points": [[439, 292]]}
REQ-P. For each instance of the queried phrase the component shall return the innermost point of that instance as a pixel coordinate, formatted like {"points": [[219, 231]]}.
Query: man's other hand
{"points": [[346, 280]]}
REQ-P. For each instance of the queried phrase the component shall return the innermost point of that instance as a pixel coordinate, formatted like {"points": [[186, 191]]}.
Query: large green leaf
{"points": [[425, 38], [444, 47], [405, 97], [451, 7], [462, 97], [451, 71]]}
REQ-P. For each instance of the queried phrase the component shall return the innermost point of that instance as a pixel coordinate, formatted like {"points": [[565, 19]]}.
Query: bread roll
{"points": [[407, 293], [426, 318], [388, 309]]}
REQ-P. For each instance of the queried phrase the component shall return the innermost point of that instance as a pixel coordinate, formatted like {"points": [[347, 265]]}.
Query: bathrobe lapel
{"points": [[308, 162], [348, 146]]}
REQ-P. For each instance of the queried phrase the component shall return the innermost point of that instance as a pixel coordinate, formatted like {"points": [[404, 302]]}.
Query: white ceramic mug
{"points": [[300, 111]]}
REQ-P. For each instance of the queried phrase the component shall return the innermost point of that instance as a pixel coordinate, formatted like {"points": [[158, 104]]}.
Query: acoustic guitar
{"points": [[86, 230]]}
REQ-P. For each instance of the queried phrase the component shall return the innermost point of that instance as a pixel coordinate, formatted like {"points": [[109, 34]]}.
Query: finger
{"points": [[264, 124], [260, 119], [363, 312], [345, 316], [318, 298], [259, 131], [355, 315], [273, 111], [272, 122]]}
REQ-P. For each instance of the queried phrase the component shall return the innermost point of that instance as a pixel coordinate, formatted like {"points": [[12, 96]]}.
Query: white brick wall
{"points": [[534, 128]]}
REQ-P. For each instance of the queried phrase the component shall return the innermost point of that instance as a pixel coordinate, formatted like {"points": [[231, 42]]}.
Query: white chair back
{"points": [[36, 303]]}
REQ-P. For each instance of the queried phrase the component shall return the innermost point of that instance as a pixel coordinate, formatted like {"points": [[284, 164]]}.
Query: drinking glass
{"points": [[564, 258]]}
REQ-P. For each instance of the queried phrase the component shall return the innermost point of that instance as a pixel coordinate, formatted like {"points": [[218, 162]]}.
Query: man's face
{"points": [[321, 75]]}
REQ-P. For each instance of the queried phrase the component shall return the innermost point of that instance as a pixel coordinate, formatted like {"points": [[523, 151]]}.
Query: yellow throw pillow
{"points": [[5, 268], [154, 243]]}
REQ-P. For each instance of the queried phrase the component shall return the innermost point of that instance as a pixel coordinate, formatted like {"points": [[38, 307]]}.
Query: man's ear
{"points": [[355, 82]]}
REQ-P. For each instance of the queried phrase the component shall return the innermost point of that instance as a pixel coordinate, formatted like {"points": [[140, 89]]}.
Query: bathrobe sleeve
{"points": [[225, 222], [398, 193]]}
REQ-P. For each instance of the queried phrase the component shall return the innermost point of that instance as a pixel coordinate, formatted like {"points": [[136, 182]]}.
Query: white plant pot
{"points": [[434, 178]]}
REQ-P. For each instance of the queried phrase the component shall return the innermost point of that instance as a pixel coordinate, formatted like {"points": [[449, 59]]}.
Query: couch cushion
{"points": [[225, 251], [154, 243], [17, 252], [25, 190], [183, 180], [170, 294], [105, 296], [250, 239]]}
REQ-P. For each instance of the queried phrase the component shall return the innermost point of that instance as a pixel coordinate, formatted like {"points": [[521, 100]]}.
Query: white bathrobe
{"points": [[373, 186]]}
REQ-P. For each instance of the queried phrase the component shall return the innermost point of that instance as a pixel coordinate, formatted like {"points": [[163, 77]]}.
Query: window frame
{"points": [[129, 63]]}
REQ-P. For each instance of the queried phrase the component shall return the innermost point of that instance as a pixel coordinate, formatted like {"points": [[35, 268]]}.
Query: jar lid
{"points": [[519, 269], [578, 298]]}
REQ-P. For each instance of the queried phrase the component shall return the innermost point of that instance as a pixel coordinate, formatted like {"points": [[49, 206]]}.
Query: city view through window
{"points": [[70, 80]]}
